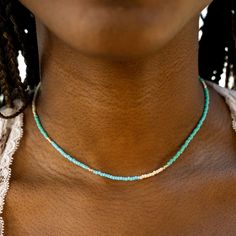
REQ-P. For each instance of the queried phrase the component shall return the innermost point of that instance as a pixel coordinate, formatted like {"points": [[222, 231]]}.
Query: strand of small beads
{"points": [[124, 178]]}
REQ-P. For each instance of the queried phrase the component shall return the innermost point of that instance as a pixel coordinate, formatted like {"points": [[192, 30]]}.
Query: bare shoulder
{"points": [[220, 141]]}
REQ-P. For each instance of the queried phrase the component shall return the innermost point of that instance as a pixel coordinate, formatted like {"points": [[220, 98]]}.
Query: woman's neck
{"points": [[125, 117]]}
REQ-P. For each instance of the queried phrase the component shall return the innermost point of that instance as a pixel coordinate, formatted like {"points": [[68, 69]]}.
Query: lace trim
{"points": [[11, 132]]}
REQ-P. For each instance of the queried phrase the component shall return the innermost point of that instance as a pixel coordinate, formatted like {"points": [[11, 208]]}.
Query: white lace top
{"points": [[11, 131]]}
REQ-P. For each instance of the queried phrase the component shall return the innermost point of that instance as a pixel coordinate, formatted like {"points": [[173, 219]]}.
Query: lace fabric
{"points": [[11, 132]]}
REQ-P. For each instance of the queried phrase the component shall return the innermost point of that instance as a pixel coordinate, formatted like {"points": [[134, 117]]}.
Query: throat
{"points": [[120, 117]]}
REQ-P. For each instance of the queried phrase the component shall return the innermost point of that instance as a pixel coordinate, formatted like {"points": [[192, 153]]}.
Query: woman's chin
{"points": [[112, 31], [116, 38], [118, 47]]}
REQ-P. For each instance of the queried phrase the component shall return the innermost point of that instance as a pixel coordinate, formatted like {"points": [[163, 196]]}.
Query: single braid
{"points": [[4, 80], [5, 90]]}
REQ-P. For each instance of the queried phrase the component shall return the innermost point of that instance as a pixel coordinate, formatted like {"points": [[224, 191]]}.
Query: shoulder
{"points": [[229, 96], [219, 137], [226, 92]]}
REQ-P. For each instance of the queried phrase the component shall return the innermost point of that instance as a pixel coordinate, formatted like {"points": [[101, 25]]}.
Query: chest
{"points": [[181, 208]]}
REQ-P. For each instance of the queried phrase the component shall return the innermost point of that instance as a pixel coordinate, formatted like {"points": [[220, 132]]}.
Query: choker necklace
{"points": [[124, 178]]}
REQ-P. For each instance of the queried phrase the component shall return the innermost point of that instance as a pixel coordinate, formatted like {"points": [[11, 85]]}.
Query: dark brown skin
{"points": [[120, 93]]}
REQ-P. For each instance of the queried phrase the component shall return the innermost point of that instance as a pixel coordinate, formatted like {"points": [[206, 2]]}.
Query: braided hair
{"points": [[217, 47], [18, 34], [217, 51]]}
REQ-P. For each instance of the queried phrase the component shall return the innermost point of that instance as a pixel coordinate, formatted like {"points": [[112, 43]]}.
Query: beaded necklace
{"points": [[124, 178]]}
